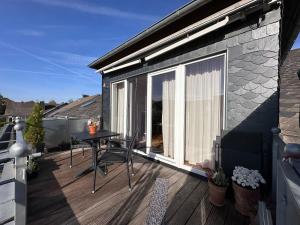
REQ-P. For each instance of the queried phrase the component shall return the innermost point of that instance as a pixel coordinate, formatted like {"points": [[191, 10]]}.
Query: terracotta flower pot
{"points": [[92, 129], [245, 199], [216, 194]]}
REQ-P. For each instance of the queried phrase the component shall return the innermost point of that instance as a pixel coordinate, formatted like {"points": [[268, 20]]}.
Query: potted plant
{"points": [[32, 168], [34, 131], [92, 126], [246, 186], [217, 186]]}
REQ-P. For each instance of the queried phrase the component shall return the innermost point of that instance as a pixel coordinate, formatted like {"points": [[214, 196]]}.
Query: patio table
{"points": [[93, 140]]}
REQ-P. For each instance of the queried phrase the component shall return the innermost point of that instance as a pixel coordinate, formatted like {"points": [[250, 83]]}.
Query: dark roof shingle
{"points": [[85, 108], [289, 117]]}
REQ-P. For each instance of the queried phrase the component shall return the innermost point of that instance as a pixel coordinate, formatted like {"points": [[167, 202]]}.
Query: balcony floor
{"points": [[56, 197]]}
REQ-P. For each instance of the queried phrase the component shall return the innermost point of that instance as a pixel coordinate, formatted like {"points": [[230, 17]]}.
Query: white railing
{"points": [[286, 185], [13, 181]]}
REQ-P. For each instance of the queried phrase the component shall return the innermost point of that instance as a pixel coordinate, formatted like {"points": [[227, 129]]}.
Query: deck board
{"points": [[56, 197]]}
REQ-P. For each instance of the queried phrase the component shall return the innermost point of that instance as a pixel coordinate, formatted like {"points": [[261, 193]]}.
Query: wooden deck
{"points": [[56, 197]]}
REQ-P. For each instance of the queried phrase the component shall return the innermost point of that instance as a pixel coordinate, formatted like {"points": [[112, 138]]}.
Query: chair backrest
{"points": [[131, 144]]}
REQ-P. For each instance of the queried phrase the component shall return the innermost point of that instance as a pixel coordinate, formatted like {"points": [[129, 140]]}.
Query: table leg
{"points": [[93, 166]]}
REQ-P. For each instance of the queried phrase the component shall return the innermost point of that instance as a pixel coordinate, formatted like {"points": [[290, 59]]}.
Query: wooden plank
{"points": [[78, 195], [234, 217], [113, 201], [189, 205], [124, 210], [202, 212], [176, 182], [140, 218], [177, 201], [217, 215], [172, 180], [55, 197]]}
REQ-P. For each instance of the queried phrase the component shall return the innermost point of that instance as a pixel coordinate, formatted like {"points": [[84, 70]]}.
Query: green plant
{"points": [[34, 131], [219, 178], [32, 166]]}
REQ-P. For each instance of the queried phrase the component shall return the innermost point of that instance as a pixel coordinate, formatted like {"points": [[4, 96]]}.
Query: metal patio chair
{"points": [[74, 144], [115, 155]]}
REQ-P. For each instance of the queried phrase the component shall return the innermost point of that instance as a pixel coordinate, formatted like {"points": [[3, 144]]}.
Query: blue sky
{"points": [[45, 45]]}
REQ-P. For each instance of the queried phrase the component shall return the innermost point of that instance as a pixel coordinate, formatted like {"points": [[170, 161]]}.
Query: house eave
{"points": [[156, 26]]}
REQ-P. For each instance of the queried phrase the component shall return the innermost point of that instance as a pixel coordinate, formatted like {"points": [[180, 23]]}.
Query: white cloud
{"points": [[71, 58], [47, 60], [29, 32], [57, 76], [85, 7]]}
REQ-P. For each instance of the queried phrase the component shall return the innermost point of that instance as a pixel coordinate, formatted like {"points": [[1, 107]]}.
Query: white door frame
{"points": [[149, 117]]}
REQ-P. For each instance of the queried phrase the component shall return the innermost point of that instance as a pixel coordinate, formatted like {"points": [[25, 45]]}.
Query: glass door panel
{"points": [[118, 104], [136, 109], [163, 114], [204, 93]]}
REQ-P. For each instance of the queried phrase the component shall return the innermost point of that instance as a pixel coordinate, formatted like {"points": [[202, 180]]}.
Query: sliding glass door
{"points": [[204, 94], [162, 113], [178, 112], [137, 109]]}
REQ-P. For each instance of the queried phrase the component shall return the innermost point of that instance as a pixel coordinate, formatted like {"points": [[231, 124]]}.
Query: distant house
{"points": [[21, 109], [289, 111], [209, 68], [83, 108]]}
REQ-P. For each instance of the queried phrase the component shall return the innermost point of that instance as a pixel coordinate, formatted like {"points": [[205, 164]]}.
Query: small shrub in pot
{"points": [[217, 187]]}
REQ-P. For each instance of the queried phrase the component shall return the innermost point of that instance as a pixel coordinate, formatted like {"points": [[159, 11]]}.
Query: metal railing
{"points": [[13, 181], [286, 180]]}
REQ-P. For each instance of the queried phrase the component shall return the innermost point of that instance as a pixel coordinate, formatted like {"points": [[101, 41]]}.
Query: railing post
{"points": [[275, 131], [20, 151]]}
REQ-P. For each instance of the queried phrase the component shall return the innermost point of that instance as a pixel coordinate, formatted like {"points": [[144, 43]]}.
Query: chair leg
{"points": [[82, 151], [132, 171], [94, 184], [129, 181], [71, 161], [105, 169]]}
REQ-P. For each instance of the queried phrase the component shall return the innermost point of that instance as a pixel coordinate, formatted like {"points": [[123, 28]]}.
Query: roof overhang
{"points": [[206, 25], [184, 10]]}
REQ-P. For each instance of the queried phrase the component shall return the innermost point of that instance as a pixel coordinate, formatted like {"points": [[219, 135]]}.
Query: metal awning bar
{"points": [[189, 38], [135, 62]]}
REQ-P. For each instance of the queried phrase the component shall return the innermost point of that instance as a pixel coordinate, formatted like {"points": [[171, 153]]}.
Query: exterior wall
{"points": [[252, 82]]}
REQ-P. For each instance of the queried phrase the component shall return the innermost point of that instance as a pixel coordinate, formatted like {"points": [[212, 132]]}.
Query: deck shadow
{"points": [[45, 196]]}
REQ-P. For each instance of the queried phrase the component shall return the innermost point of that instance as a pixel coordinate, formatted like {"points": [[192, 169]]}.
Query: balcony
{"points": [[56, 197]]}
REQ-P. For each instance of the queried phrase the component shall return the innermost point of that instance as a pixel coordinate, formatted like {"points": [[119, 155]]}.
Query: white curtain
{"points": [[168, 113], [203, 113], [118, 122]]}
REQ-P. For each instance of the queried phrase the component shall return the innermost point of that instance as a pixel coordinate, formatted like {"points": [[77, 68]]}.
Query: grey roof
{"points": [[289, 117], [85, 108], [22, 109]]}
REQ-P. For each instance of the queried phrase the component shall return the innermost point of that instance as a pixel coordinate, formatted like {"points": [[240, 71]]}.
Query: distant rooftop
{"points": [[85, 108], [22, 109]]}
